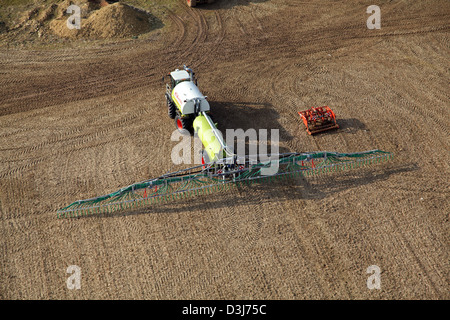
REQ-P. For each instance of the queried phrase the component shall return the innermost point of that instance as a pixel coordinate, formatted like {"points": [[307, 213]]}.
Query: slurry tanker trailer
{"points": [[190, 109]]}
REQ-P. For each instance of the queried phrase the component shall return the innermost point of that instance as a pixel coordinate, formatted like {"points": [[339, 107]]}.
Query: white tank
{"points": [[186, 94]]}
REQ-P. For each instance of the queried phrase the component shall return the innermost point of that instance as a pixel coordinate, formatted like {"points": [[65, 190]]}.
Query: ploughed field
{"points": [[85, 118]]}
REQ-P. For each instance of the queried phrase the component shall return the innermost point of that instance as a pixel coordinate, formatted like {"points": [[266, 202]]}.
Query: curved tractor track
{"points": [[83, 121]]}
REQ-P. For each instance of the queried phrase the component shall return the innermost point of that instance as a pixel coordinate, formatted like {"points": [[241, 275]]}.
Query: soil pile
{"points": [[116, 20], [100, 19]]}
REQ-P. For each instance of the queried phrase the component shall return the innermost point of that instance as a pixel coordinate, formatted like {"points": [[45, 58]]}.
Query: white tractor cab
{"points": [[184, 100]]}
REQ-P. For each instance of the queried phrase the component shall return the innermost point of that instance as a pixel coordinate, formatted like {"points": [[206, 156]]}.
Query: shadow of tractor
{"points": [[248, 116]]}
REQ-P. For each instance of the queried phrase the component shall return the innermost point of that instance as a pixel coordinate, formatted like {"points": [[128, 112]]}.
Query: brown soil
{"points": [[100, 20], [112, 21], [83, 121]]}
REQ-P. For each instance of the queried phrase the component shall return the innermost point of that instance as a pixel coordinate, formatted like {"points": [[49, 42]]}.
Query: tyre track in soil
{"points": [[411, 103], [283, 97], [201, 23], [61, 135], [7, 134], [261, 31], [277, 74], [9, 190], [222, 31], [254, 228], [85, 137], [91, 105], [79, 143], [101, 81], [403, 113], [59, 197], [199, 40], [342, 95], [241, 27], [302, 235], [73, 130], [400, 231], [257, 30], [239, 237], [21, 168], [410, 248], [211, 47], [11, 78], [372, 138], [285, 53], [184, 46], [68, 156], [293, 45], [228, 220], [31, 57], [200, 37], [181, 26], [375, 139], [62, 93], [411, 107], [312, 238]]}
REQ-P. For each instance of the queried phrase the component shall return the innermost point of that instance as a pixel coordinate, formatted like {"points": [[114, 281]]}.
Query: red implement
{"points": [[319, 119]]}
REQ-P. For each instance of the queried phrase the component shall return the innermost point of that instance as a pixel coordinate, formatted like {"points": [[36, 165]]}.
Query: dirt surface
{"points": [[87, 118], [111, 21], [48, 22]]}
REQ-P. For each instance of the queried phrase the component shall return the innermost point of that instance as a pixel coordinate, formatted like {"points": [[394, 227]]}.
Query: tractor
{"points": [[191, 111], [193, 3], [184, 100]]}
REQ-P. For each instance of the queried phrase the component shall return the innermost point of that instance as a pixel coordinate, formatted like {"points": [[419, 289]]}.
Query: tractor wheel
{"points": [[192, 3], [184, 125], [171, 109]]}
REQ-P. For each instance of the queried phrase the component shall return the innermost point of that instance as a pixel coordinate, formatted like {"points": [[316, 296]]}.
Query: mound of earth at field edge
{"points": [[112, 21]]}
